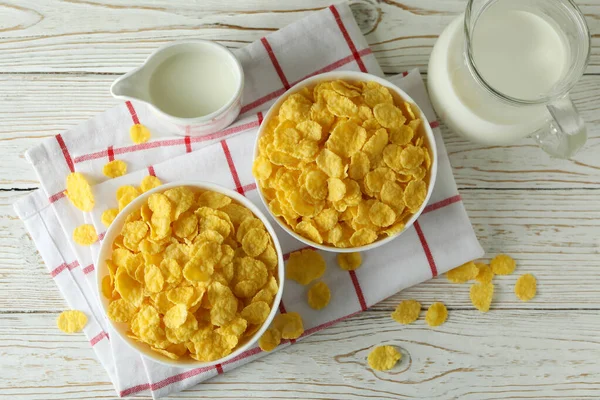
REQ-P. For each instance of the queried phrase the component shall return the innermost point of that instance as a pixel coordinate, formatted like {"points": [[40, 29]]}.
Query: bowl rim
{"points": [[114, 229], [361, 76]]}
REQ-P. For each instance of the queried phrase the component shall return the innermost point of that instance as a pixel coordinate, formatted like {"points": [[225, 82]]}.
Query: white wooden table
{"points": [[57, 60]]}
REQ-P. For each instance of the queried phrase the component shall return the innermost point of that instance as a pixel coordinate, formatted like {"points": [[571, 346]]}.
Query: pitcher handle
{"points": [[566, 133]]}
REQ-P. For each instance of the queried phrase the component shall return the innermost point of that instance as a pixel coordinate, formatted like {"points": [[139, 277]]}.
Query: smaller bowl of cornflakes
{"points": [[345, 161], [190, 274]]}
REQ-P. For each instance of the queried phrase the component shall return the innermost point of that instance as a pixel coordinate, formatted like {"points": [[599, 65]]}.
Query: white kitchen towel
{"points": [[326, 40]]}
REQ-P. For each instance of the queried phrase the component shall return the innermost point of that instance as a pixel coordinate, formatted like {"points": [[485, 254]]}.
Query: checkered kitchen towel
{"points": [[325, 41]]}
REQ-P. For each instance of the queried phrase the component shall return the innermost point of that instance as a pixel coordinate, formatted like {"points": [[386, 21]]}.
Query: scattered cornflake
{"points": [[305, 266], [85, 235], [319, 295], [349, 261], [503, 264], [407, 312], [71, 321], [383, 358], [481, 296], [526, 287], [149, 182], [436, 314], [484, 273], [464, 273], [79, 191], [108, 216], [139, 133], [114, 168]]}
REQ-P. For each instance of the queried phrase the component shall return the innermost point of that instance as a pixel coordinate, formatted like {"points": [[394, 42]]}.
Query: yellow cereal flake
{"points": [[436, 314], [71, 321], [79, 191], [343, 163], [305, 266], [526, 287], [114, 168], [407, 312], [319, 295], [270, 339], [481, 296], [463, 273], [383, 358], [349, 261], [256, 312], [108, 216], [139, 133], [149, 182], [503, 264], [85, 235], [484, 273], [290, 324]]}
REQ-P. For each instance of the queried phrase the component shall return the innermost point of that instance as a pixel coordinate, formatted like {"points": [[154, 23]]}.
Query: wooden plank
{"points": [[30, 112], [505, 356], [551, 234], [112, 36]]}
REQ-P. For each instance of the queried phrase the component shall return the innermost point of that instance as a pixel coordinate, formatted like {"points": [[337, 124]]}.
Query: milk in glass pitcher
{"points": [[503, 70]]}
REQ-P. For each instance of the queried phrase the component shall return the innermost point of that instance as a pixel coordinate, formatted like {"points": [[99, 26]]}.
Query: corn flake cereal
{"points": [[305, 266], [481, 296], [349, 261], [71, 321], [270, 339], [319, 295], [192, 274], [114, 168], [149, 182], [79, 192], [463, 273], [407, 312], [526, 287], [139, 133], [108, 216], [484, 273], [335, 146], [503, 264], [436, 314], [383, 358], [85, 235]]}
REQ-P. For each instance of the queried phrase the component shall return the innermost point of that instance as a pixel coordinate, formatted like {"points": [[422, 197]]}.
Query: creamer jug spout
{"points": [[134, 85]]}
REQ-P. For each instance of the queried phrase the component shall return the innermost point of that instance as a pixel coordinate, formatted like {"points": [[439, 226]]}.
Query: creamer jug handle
{"points": [[565, 133]]}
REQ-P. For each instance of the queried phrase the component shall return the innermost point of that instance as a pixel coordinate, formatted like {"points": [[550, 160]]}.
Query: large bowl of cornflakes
{"points": [[345, 161], [190, 274]]}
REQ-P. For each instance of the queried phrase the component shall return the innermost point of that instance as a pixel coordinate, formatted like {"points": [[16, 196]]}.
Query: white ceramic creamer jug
{"points": [[196, 85], [503, 70]]}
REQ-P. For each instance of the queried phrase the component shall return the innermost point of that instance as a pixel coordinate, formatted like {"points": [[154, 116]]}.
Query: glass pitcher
{"points": [[503, 71]]}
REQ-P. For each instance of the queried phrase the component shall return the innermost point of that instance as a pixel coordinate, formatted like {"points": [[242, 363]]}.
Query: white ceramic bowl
{"points": [[397, 93], [105, 253]]}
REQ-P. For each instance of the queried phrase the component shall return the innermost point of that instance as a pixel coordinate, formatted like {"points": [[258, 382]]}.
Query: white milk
{"points": [[192, 84], [518, 53]]}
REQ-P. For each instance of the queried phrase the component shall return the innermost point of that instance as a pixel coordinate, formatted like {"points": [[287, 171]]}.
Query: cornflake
{"points": [[526, 287], [71, 321], [503, 264], [463, 273], [407, 312], [436, 314], [337, 146], [319, 295], [349, 261], [383, 358], [481, 296]]}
